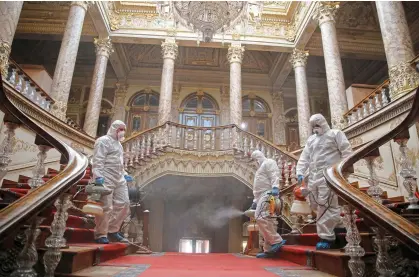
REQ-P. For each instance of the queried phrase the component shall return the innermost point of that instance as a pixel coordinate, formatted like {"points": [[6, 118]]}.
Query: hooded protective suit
{"points": [[266, 178], [323, 149], [108, 163]]}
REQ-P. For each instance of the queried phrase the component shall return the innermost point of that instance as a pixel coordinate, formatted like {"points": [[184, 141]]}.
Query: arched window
{"points": [[257, 116], [199, 109], [143, 111]]}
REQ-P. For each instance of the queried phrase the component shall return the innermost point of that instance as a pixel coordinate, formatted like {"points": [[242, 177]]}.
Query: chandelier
{"points": [[209, 17]]}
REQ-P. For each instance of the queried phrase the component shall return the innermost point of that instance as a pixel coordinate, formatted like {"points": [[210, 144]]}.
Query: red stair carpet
{"points": [[202, 265]]}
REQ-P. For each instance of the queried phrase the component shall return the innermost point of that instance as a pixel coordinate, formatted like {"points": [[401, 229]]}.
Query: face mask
{"points": [[121, 135], [317, 130]]}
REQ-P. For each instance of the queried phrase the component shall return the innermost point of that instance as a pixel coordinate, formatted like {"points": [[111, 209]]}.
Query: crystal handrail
{"points": [[19, 212], [23, 83], [404, 230]]}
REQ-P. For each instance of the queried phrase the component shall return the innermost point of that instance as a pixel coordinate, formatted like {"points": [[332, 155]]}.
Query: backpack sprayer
{"points": [[95, 192]]}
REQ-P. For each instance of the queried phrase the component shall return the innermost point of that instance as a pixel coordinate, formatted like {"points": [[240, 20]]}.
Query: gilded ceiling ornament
{"points": [[299, 58], [235, 53], [104, 47], [291, 31], [325, 11], [4, 57]]}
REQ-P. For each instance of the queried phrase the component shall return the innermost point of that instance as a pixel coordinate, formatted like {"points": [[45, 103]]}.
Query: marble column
{"points": [[64, 69], [278, 118], [103, 50], [299, 60], [9, 17], [176, 103], [398, 47], [169, 52], [235, 57], [119, 101], [325, 13]]}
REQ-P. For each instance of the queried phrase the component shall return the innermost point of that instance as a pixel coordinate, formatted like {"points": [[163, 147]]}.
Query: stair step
{"points": [[311, 228], [72, 235], [312, 239], [73, 221]]}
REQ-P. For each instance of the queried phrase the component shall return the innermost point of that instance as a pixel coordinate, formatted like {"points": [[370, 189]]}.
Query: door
{"points": [[293, 137], [199, 139]]}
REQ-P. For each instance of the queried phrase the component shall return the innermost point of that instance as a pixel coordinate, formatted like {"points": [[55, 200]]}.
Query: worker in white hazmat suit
{"points": [[266, 183], [108, 169], [324, 148]]}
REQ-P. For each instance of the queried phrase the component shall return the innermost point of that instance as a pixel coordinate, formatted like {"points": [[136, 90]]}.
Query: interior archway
{"points": [[196, 209], [257, 116], [143, 111]]}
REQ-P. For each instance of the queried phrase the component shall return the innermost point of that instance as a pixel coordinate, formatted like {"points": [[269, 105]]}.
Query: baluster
{"points": [[195, 138], [39, 169], [27, 87], [142, 148], [374, 190], [235, 137], [371, 105], [157, 139], [29, 255], [148, 153], [153, 142], [245, 148], [384, 98], [6, 147], [349, 119], [12, 78], [178, 137], [377, 101], [169, 135], [383, 263], [293, 174], [365, 109], [222, 139], [19, 83], [286, 173], [359, 113], [213, 139], [352, 248], [408, 172], [355, 116], [56, 240], [130, 156]]}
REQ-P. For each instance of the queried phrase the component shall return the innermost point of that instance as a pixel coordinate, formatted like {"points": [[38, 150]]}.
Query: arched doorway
{"points": [[257, 117], [199, 109], [143, 111]]}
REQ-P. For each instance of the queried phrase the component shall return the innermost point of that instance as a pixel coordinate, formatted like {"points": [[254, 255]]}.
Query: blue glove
{"points": [[128, 178], [300, 179], [275, 191], [253, 207], [100, 181]]}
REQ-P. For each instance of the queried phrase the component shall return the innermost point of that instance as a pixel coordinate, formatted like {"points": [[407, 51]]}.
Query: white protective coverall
{"points": [[322, 150], [108, 162], [266, 177]]}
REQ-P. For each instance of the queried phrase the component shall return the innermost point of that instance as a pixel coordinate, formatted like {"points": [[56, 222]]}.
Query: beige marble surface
{"points": [[278, 118], [64, 69], [169, 52], [299, 61], [398, 47], [9, 17], [103, 50], [235, 57], [325, 14]]}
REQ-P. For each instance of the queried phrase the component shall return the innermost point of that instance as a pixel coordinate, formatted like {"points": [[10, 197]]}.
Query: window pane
{"points": [[136, 123], [139, 100], [246, 105], [207, 104], [185, 246], [152, 122], [202, 246], [261, 129], [192, 103], [153, 100], [259, 107]]}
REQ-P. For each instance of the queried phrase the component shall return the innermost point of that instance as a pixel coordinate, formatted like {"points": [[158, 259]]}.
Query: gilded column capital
{"points": [[121, 89], [169, 49], [4, 57], [235, 53], [84, 4], [325, 11], [299, 58], [104, 47], [277, 96]]}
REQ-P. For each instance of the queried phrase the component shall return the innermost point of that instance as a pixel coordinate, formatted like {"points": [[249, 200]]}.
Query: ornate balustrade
{"points": [[32, 208], [386, 223]]}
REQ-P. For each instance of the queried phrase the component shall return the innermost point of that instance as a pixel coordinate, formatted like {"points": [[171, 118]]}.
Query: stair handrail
{"points": [[19, 212], [402, 229]]}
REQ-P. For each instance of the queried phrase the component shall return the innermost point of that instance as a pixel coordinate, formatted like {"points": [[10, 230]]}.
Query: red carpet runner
{"points": [[202, 265]]}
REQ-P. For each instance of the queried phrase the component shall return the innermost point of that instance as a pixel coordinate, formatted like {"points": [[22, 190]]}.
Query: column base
{"points": [[59, 110], [4, 58], [403, 78]]}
